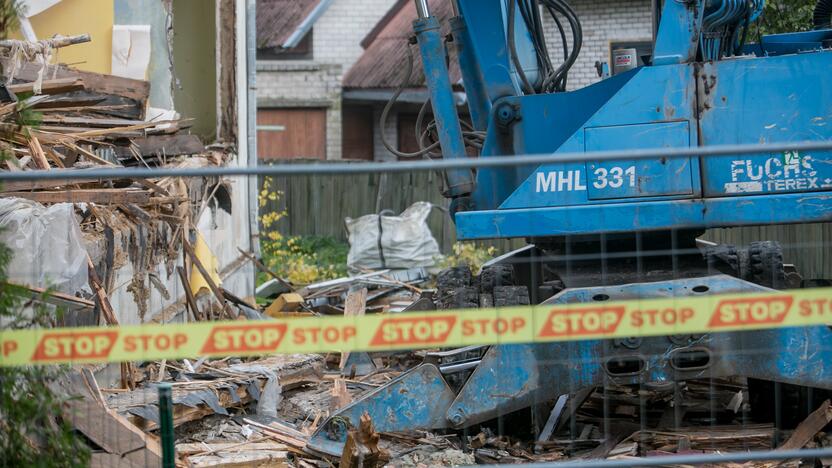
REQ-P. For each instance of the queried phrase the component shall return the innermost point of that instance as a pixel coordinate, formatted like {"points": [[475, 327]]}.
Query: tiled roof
{"points": [[278, 19], [385, 57]]}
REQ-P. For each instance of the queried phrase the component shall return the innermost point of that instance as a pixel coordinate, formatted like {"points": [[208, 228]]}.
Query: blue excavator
{"points": [[615, 229]]}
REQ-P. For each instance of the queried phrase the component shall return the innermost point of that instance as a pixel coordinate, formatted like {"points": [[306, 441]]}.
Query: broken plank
{"points": [[189, 295], [60, 102], [168, 145], [112, 432], [112, 460], [58, 297], [266, 269], [116, 132], [95, 390], [810, 426], [101, 294], [56, 86], [37, 154], [116, 86], [259, 458], [202, 448], [289, 437], [24, 185], [88, 122], [101, 196], [354, 306]]}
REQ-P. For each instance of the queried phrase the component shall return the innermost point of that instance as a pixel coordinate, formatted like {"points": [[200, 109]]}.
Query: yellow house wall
{"points": [[71, 17]]}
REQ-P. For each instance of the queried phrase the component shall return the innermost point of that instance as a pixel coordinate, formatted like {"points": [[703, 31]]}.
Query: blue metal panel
{"points": [[417, 399], [644, 216], [555, 117], [772, 99], [650, 95], [678, 36], [643, 178], [789, 43], [484, 19], [512, 377]]}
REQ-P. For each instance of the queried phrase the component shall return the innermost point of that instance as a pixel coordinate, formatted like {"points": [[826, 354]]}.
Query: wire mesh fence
{"points": [[671, 397]]}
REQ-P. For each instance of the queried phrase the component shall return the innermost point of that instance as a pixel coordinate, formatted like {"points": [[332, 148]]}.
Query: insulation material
{"points": [[46, 245], [209, 261], [131, 51], [405, 240]]}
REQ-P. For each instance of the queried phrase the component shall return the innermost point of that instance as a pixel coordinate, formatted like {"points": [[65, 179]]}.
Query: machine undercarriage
{"points": [[606, 229], [477, 385]]}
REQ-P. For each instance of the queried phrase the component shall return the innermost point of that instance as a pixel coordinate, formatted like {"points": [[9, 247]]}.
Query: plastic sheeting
{"points": [[269, 399], [46, 245], [405, 240]]}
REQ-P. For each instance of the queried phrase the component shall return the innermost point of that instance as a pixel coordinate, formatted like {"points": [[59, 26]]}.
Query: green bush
{"points": [[32, 432], [304, 260]]}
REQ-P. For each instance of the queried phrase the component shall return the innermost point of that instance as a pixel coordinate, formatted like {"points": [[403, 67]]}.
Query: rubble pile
{"points": [[57, 117], [264, 411]]}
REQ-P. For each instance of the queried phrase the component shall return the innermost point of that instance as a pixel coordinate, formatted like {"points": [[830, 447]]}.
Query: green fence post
{"points": [[166, 425]]}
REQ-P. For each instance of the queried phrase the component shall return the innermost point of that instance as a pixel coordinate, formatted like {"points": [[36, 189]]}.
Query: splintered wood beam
{"points": [[354, 305], [100, 196], [808, 429], [26, 185], [55, 42], [266, 269], [56, 86], [101, 294], [169, 145], [37, 154], [189, 295], [88, 122]]}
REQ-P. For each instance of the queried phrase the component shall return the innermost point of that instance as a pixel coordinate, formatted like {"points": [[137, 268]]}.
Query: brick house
{"points": [[326, 68], [304, 49]]}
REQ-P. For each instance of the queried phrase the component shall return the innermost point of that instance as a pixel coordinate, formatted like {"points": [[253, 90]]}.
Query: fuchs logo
{"points": [[245, 338], [433, 329], [733, 312], [75, 346], [589, 321]]}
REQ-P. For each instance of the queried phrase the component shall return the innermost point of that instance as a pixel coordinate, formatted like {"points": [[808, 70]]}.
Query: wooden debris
{"points": [[294, 439], [361, 448], [113, 433], [288, 302], [809, 428], [292, 371], [59, 298], [260, 454], [189, 295], [56, 86], [266, 269], [354, 306], [92, 385], [101, 196], [165, 145], [340, 396]]}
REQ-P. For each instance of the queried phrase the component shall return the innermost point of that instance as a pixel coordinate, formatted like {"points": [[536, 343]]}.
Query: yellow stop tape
{"points": [[416, 330]]}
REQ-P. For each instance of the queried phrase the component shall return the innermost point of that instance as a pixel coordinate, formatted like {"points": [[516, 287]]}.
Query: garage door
{"points": [[291, 133]]}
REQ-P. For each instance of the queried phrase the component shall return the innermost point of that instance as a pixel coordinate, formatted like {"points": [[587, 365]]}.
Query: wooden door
{"points": [[291, 133]]}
